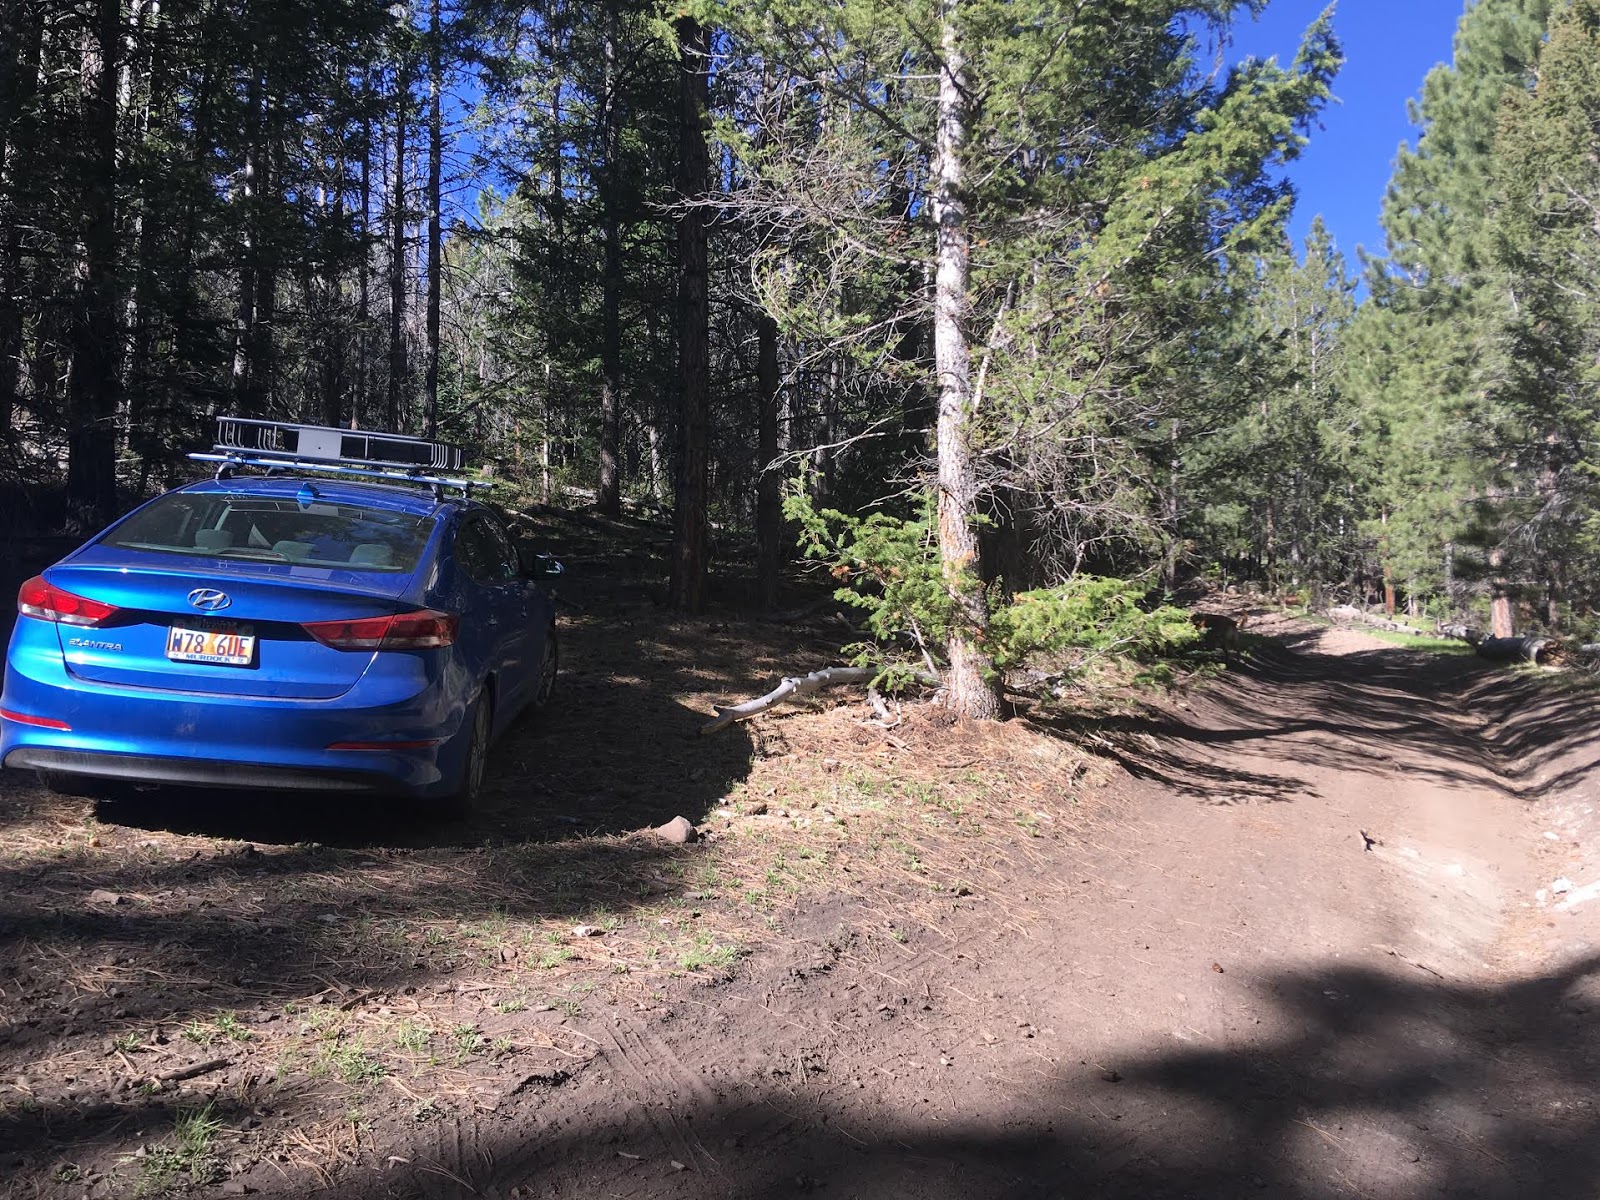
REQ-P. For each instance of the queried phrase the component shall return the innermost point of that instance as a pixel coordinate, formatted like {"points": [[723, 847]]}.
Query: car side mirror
{"points": [[536, 565]]}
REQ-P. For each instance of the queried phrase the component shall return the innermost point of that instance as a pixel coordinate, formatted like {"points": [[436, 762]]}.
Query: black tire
{"points": [[548, 668], [475, 763]]}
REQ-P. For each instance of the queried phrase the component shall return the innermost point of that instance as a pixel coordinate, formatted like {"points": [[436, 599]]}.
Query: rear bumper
{"points": [[202, 740], [190, 772]]}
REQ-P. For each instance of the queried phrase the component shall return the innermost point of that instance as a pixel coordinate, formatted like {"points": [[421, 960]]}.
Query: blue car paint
{"points": [[274, 720]]}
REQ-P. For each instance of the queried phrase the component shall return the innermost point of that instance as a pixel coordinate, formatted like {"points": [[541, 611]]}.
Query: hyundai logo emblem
{"points": [[209, 599]]}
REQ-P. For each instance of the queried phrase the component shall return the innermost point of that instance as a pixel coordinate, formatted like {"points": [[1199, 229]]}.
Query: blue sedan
{"points": [[281, 631]]}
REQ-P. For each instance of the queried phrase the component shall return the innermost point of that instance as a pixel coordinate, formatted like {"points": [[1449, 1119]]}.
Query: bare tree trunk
{"points": [[769, 507], [1502, 621], [359, 403], [609, 492], [397, 258], [264, 334], [21, 44], [244, 323], [690, 552], [332, 339], [430, 418], [973, 688], [95, 373], [1171, 503]]}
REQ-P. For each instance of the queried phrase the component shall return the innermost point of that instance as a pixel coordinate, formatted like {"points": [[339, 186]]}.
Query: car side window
{"points": [[505, 549], [481, 554]]}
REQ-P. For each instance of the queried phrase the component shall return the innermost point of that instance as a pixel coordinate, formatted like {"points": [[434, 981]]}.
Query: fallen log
{"points": [[1544, 651], [793, 688], [1462, 633]]}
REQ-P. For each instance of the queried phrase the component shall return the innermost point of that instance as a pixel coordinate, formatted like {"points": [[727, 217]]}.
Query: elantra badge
{"points": [[209, 599]]}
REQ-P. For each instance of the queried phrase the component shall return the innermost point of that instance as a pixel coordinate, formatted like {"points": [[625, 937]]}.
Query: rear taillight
{"points": [[28, 719], [424, 629], [37, 598]]}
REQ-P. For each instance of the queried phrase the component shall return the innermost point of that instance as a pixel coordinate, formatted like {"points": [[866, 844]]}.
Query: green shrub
{"points": [[888, 568]]}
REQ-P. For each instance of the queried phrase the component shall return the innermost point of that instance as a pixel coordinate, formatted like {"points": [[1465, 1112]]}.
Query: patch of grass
{"points": [[200, 1032], [355, 1065], [224, 1026], [128, 1043], [468, 1041], [349, 1061], [515, 1005], [707, 953], [1413, 641], [412, 1036], [188, 1161], [554, 958]]}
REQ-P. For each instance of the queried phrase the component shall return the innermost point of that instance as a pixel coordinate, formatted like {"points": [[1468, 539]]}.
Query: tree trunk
{"points": [[264, 333], [430, 416], [769, 503], [21, 43], [1170, 502], [1502, 623], [609, 492], [359, 403], [92, 381], [687, 589], [397, 259], [244, 322], [973, 687], [332, 339]]}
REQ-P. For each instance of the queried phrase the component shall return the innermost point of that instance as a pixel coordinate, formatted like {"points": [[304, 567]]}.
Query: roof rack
{"points": [[286, 446]]}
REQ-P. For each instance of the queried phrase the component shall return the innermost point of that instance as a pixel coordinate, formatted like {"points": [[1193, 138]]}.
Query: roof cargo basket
{"points": [[287, 446]]}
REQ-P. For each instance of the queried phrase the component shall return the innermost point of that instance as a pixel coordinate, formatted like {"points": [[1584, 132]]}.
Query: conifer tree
{"points": [[1545, 246], [1425, 345]]}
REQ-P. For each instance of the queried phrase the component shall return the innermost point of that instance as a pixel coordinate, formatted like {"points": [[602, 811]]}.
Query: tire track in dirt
{"points": [[1224, 991]]}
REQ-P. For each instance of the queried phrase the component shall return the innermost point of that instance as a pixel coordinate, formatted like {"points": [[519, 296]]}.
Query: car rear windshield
{"points": [[239, 526]]}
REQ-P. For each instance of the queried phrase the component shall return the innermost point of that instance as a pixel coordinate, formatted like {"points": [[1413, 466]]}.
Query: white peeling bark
{"points": [[973, 690]]}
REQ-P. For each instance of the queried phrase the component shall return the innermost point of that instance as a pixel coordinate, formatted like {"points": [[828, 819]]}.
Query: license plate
{"points": [[222, 644]]}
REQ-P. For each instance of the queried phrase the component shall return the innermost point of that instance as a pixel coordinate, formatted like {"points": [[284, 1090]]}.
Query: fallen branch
{"points": [[886, 719], [795, 687], [177, 1074]]}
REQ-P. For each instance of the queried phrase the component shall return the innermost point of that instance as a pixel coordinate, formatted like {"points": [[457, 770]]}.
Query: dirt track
{"points": [[1232, 992], [1295, 949]]}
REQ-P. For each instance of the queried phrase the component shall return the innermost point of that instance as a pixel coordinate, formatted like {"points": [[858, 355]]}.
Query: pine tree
{"points": [[1545, 229], [1067, 197], [1426, 340]]}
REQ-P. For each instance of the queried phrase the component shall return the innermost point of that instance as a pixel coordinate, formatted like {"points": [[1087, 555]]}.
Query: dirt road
{"points": [[1307, 942], [1311, 960]]}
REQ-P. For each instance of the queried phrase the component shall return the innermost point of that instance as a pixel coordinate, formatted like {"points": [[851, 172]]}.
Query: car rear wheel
{"points": [[547, 672], [475, 763]]}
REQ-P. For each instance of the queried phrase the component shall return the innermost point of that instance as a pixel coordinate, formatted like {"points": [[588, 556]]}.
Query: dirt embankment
{"points": [[1291, 944]]}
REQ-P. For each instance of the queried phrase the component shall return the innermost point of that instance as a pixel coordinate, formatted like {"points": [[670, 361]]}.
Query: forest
{"points": [[971, 301]]}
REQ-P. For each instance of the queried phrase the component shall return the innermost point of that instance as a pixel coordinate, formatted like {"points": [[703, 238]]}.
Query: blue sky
{"points": [[1389, 46]]}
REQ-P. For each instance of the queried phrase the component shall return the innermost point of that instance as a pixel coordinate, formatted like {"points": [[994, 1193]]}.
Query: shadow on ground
{"points": [[178, 905], [1393, 1086], [1450, 718]]}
